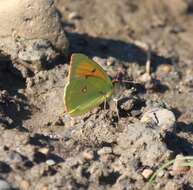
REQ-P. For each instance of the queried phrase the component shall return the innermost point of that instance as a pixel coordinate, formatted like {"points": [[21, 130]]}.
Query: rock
{"points": [[145, 78], [74, 16], [161, 117], [88, 155], [140, 141], [111, 61], [31, 36], [7, 121], [50, 162], [44, 150], [104, 150], [163, 70], [73, 161], [146, 173], [173, 185], [24, 185], [4, 185], [148, 80], [15, 157], [126, 104]]}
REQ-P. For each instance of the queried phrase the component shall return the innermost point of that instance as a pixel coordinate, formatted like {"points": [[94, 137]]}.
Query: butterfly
{"points": [[88, 85]]}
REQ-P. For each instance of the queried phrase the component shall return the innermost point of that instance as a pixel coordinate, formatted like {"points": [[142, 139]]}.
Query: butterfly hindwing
{"points": [[84, 94]]}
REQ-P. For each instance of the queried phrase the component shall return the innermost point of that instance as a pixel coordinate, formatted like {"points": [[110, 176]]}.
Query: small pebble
{"points": [[104, 150], [4, 185], [15, 157], [21, 91], [111, 61], [178, 165], [44, 188], [88, 155], [177, 29], [106, 158], [147, 173], [50, 162], [43, 150], [136, 113], [145, 77], [163, 118], [166, 68], [24, 185], [171, 185], [74, 16], [127, 104], [59, 122]]}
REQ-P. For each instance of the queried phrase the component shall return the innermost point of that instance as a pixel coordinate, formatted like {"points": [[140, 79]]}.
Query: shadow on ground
{"points": [[104, 48], [178, 144], [14, 107]]}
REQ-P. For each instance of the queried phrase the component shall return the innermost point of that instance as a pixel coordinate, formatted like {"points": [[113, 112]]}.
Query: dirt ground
{"points": [[43, 150]]}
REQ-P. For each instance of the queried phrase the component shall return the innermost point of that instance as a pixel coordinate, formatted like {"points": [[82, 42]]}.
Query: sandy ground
{"points": [[41, 149]]}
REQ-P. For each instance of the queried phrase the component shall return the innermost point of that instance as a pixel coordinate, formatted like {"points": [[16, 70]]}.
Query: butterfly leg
{"points": [[116, 108], [62, 114], [105, 104], [105, 108]]}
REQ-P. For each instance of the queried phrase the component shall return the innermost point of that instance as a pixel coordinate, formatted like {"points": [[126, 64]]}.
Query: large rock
{"points": [[31, 31]]}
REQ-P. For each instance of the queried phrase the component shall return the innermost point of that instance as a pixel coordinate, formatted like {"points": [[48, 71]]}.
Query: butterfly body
{"points": [[88, 85]]}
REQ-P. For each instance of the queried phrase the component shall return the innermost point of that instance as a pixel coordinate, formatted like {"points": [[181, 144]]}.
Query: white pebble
{"points": [[73, 16], [163, 118], [44, 150], [105, 150], [50, 162], [88, 155], [147, 173], [4, 185]]}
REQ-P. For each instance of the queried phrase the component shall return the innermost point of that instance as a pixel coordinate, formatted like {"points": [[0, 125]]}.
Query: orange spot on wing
{"points": [[86, 70]]}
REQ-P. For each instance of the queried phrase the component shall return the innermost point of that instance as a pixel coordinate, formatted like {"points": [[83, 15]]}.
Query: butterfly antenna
{"points": [[124, 81], [105, 108]]}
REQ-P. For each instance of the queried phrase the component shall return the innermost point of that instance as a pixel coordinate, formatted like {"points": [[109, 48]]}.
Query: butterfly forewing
{"points": [[82, 66]]}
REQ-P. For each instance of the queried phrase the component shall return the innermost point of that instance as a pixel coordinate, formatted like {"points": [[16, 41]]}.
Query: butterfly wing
{"points": [[88, 85], [83, 94], [81, 66]]}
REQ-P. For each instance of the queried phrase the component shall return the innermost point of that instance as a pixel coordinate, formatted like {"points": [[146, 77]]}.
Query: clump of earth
{"points": [[42, 148]]}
